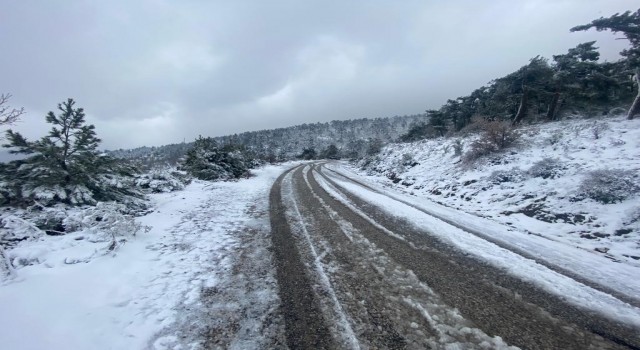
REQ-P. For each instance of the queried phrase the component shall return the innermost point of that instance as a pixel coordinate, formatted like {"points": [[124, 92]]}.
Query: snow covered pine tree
{"points": [[626, 23], [64, 166]]}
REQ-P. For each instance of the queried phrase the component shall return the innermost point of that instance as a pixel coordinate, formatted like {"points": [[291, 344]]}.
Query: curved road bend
{"points": [[356, 277]]}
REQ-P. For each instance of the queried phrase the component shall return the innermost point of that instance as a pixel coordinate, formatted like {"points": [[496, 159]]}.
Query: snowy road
{"points": [[358, 269], [319, 259]]}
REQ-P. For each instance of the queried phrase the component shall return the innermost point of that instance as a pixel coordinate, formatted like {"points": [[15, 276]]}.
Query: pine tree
{"points": [[574, 74], [331, 152], [207, 161], [438, 121], [374, 146], [628, 24], [64, 166], [532, 80], [308, 153], [68, 152]]}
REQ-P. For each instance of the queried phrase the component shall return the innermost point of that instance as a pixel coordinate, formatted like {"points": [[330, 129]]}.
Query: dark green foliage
{"points": [[64, 166], [331, 152], [308, 154], [350, 136], [374, 147], [627, 23], [583, 83], [355, 149], [574, 82], [67, 155], [438, 123], [207, 161], [417, 132], [149, 158]]}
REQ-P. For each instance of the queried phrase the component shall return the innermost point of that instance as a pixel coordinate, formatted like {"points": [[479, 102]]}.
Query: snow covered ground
{"points": [[540, 187], [202, 276]]}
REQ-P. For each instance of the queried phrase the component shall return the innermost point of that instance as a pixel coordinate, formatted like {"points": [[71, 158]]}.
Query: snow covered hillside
{"points": [[575, 182], [201, 276]]}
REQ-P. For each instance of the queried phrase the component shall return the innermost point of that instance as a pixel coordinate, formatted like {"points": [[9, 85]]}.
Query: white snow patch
{"points": [[67, 297]]}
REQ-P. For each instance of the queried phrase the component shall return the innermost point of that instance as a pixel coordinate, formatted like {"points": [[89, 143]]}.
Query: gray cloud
{"points": [[153, 72]]}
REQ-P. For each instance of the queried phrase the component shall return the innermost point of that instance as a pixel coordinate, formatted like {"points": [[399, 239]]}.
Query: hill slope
{"points": [[559, 182]]}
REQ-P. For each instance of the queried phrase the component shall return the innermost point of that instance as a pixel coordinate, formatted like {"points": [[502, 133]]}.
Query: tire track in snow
{"points": [[630, 299], [389, 306], [500, 303], [333, 312], [305, 327]]}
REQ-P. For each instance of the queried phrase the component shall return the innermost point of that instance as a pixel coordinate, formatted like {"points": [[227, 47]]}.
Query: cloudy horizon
{"points": [[156, 72]]}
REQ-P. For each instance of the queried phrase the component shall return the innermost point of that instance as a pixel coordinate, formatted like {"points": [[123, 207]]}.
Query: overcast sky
{"points": [[152, 72]]}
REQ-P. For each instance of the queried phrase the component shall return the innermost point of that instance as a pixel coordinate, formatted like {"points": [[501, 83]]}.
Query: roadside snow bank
{"points": [[143, 294]]}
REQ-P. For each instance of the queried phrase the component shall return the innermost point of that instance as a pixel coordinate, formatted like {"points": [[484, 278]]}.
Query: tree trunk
{"points": [[635, 107], [554, 106], [522, 109]]}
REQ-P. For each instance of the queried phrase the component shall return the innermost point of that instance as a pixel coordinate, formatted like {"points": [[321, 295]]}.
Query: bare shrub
{"points": [[616, 142], [501, 134], [577, 129], [479, 148], [555, 138], [496, 136], [8, 115], [105, 220], [598, 128], [608, 185], [457, 148], [476, 125], [532, 131], [513, 175], [403, 164], [547, 168], [407, 159]]}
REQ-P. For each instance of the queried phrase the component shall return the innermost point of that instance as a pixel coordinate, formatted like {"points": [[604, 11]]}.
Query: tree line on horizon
{"points": [[351, 139], [571, 83]]}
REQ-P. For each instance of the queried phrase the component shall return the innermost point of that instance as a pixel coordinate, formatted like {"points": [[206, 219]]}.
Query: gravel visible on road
{"points": [[500, 304], [405, 289]]}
